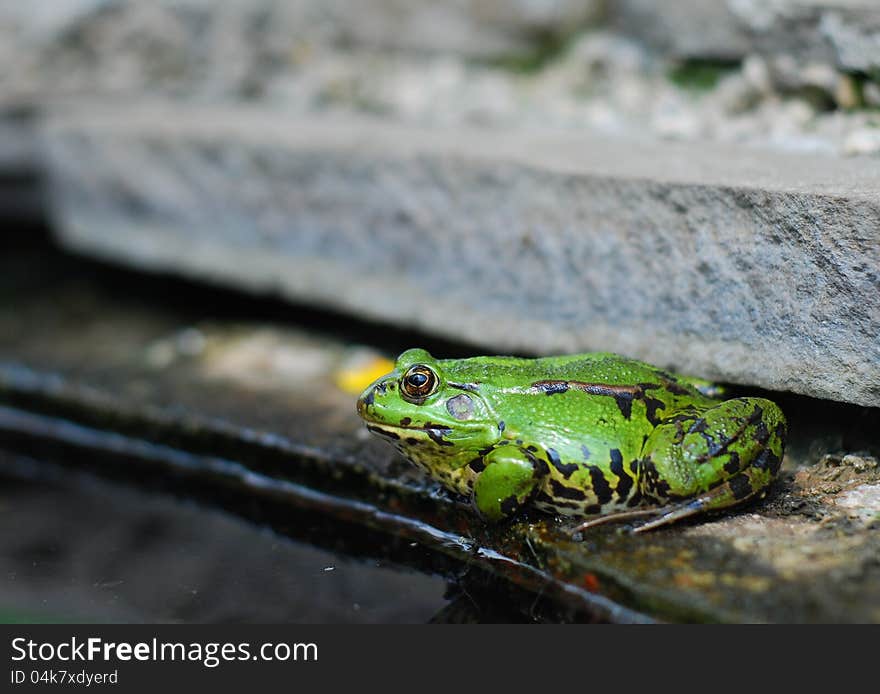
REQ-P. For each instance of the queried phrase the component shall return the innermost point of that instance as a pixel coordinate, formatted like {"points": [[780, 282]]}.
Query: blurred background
{"points": [[223, 219]]}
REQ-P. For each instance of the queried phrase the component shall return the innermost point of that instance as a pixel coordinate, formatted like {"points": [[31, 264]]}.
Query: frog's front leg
{"points": [[727, 454], [506, 483]]}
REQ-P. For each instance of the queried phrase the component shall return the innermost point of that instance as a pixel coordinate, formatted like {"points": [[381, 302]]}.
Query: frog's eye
{"points": [[418, 382]]}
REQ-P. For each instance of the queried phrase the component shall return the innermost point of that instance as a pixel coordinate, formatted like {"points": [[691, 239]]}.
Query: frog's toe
{"points": [[744, 485], [616, 518], [674, 513]]}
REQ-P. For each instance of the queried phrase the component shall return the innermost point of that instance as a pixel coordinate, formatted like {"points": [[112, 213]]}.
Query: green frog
{"points": [[596, 436]]}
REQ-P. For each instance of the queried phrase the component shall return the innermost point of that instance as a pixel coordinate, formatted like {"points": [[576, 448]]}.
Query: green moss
{"points": [[544, 50], [862, 79], [700, 75]]}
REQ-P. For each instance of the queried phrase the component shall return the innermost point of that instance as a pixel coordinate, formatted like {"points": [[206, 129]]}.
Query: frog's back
{"points": [[586, 415], [512, 373]]}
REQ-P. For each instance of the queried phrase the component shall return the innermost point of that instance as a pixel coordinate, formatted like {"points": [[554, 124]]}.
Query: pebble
{"points": [[862, 142]]}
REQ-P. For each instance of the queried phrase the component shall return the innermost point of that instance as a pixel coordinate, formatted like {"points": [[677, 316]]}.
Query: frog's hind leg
{"points": [[727, 455]]}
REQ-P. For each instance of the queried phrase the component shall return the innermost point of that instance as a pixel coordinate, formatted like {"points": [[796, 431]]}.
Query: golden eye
{"points": [[418, 382]]}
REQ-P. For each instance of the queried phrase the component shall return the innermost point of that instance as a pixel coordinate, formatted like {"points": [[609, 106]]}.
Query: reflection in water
{"points": [[97, 551]]}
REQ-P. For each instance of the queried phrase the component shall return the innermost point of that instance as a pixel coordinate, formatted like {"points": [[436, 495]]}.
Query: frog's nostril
{"points": [[366, 400]]}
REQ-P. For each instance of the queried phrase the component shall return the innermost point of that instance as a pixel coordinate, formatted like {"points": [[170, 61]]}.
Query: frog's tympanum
{"points": [[587, 435]]}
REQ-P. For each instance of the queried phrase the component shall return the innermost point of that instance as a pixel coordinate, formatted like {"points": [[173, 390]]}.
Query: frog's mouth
{"points": [[435, 432]]}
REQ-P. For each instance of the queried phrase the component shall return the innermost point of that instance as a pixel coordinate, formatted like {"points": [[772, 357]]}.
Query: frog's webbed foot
{"points": [[726, 494], [732, 491], [671, 514], [618, 518], [665, 515]]}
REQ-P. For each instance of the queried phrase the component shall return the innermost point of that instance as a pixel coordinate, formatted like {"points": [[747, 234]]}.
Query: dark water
{"points": [[96, 551]]}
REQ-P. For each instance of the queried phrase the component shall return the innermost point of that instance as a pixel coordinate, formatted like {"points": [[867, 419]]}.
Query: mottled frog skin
{"points": [[589, 435]]}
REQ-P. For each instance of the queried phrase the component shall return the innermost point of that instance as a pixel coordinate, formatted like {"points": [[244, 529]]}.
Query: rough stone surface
{"points": [[215, 43], [683, 28], [845, 33], [233, 48], [503, 63], [721, 262]]}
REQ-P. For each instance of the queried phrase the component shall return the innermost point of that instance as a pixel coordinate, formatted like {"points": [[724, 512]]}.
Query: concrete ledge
{"points": [[744, 266]]}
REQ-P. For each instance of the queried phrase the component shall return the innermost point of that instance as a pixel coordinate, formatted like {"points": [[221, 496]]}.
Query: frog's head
{"points": [[422, 409]]}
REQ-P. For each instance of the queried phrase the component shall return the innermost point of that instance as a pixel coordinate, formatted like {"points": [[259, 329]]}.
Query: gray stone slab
{"points": [[729, 263], [845, 33]]}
